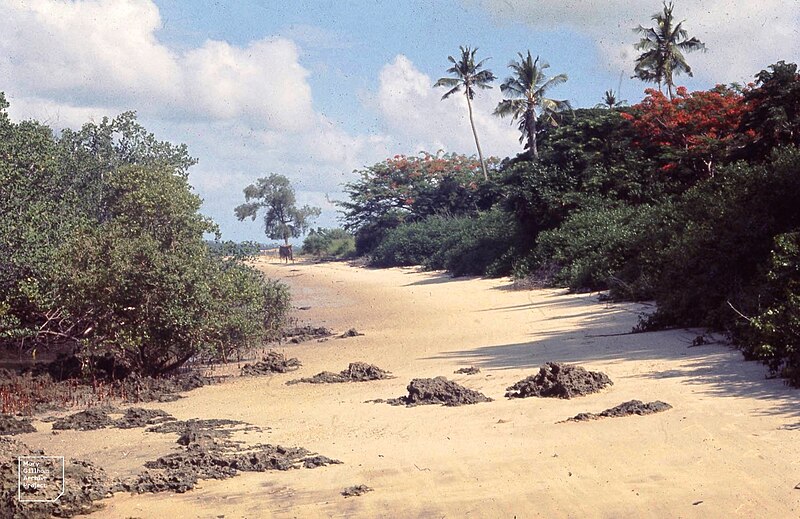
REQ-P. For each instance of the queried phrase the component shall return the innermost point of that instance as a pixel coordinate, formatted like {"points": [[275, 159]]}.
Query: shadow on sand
{"points": [[604, 334]]}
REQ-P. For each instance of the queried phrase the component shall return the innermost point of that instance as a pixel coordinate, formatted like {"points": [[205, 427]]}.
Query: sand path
{"points": [[729, 448]]}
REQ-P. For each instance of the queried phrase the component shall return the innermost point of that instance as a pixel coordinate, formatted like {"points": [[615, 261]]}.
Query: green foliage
{"points": [[282, 218], [102, 249], [482, 245], [773, 114], [414, 243], [773, 335], [329, 243], [723, 240], [462, 245], [540, 196], [605, 248], [406, 189]]}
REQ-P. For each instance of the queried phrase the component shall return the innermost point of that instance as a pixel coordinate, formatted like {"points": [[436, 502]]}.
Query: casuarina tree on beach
{"points": [[525, 90], [469, 75], [664, 46]]}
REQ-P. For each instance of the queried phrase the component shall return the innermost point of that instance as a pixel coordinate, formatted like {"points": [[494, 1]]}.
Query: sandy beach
{"points": [[729, 447]]}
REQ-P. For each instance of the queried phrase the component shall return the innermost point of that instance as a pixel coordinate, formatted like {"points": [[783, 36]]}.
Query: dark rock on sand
{"points": [[357, 490], [472, 370], [10, 425], [164, 389], [300, 334], [195, 430], [273, 362], [624, 409], [559, 381], [180, 471], [350, 333], [138, 417], [439, 390], [355, 372], [84, 485], [88, 420]]}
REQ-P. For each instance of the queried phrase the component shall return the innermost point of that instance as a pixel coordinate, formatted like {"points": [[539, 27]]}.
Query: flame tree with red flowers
{"points": [[691, 133]]}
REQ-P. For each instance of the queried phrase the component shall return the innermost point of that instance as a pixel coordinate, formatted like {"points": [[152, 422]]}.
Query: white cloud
{"points": [[742, 36], [98, 49], [107, 51], [419, 119], [263, 82], [244, 111]]}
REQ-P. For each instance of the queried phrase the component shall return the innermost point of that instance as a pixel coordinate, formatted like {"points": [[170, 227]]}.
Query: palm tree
{"points": [[469, 75], [611, 101], [526, 90], [663, 48]]}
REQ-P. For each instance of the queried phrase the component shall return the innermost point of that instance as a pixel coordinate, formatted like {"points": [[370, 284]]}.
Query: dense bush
{"points": [[462, 245], [726, 231], [483, 245], [690, 200], [773, 334], [604, 248], [414, 243], [329, 244], [103, 251], [406, 189]]}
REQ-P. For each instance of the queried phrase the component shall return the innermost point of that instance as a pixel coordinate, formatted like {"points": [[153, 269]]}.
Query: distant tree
{"points": [[611, 100], [526, 90], [468, 74], [663, 47], [282, 218], [404, 189]]}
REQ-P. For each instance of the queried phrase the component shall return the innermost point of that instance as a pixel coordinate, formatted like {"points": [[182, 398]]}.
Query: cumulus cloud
{"points": [[418, 119], [244, 111], [103, 49], [742, 36], [263, 81], [106, 51]]}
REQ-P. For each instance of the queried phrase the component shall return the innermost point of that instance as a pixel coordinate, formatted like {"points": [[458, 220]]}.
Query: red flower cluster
{"points": [[694, 127]]}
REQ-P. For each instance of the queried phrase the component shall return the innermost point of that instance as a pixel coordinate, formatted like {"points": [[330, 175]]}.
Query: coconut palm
{"points": [[469, 75], [525, 90], [663, 47], [611, 101]]}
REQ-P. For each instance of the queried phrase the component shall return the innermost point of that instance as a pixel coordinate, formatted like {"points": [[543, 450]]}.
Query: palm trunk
{"points": [[532, 136], [475, 134]]}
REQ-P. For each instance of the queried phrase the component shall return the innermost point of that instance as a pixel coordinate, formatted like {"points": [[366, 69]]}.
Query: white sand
{"points": [[730, 447]]}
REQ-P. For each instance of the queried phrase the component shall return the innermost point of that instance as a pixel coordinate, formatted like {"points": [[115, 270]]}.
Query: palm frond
{"points": [[446, 82], [452, 91]]}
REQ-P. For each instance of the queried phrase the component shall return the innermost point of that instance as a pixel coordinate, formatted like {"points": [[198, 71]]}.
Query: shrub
{"points": [[461, 245], [773, 335], [329, 243], [598, 249], [144, 285], [101, 249], [480, 246], [413, 243], [726, 231]]}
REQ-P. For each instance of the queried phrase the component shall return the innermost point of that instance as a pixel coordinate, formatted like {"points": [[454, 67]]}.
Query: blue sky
{"points": [[316, 89]]}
